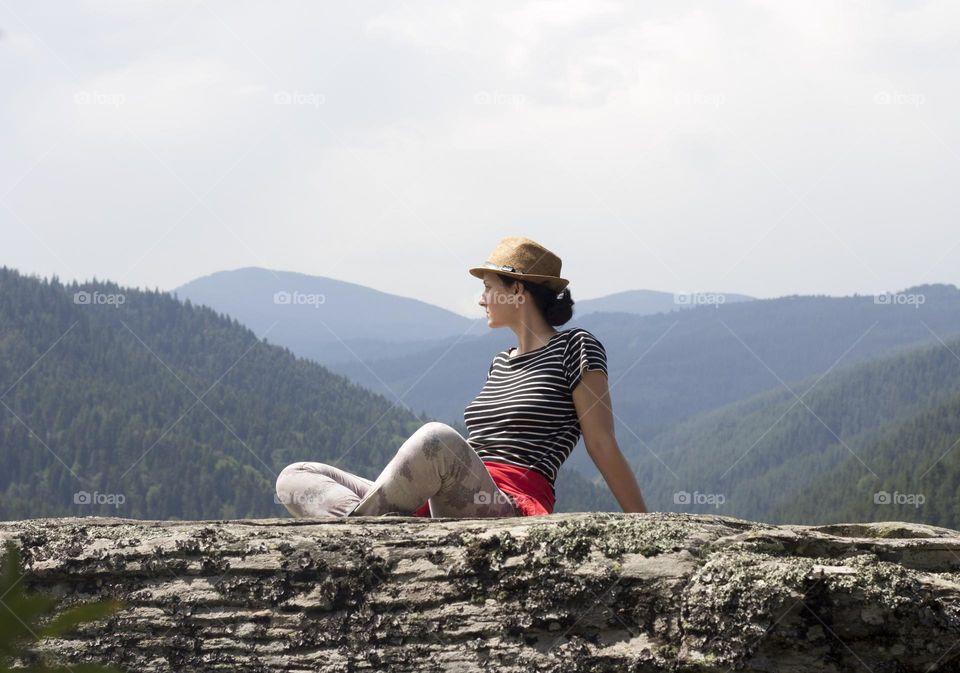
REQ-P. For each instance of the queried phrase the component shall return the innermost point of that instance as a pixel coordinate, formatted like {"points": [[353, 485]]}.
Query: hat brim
{"points": [[552, 282]]}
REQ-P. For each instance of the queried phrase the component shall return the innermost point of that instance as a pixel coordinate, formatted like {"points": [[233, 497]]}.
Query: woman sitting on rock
{"points": [[538, 399]]}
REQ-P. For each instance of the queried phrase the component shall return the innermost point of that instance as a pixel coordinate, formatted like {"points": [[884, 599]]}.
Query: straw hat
{"points": [[524, 259]]}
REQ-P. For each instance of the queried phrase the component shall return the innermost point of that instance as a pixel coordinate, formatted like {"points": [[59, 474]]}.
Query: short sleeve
{"points": [[584, 351]]}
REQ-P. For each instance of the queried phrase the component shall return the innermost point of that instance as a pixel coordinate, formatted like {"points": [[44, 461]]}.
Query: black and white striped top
{"points": [[524, 415]]}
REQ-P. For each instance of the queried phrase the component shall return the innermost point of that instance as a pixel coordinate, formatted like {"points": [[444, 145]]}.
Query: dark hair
{"points": [[556, 308]]}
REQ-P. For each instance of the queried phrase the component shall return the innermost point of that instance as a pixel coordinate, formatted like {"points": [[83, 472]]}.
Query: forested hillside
{"points": [[819, 451], [159, 409], [917, 463]]}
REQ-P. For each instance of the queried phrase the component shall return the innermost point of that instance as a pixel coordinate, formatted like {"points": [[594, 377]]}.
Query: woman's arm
{"points": [[591, 398]]}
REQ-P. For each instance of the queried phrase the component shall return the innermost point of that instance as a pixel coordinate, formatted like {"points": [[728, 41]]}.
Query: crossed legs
{"points": [[436, 465]]}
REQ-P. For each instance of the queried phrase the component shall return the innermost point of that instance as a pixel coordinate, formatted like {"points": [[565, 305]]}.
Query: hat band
{"points": [[502, 267]]}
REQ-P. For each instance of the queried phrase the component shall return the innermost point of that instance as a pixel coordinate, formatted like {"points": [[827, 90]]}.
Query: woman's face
{"points": [[498, 301]]}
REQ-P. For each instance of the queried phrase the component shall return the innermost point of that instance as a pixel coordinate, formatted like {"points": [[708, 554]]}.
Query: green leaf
{"points": [[29, 608], [10, 574], [20, 613], [88, 612]]}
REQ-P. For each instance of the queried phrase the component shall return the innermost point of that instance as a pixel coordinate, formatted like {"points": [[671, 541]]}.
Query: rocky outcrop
{"points": [[565, 592]]}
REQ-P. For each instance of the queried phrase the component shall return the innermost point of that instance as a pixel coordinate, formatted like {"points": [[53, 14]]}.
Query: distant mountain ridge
{"points": [[336, 322], [648, 302], [325, 319]]}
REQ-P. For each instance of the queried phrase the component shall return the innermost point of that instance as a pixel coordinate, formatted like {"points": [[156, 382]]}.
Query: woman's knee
{"points": [[296, 469], [433, 437], [290, 469], [441, 431]]}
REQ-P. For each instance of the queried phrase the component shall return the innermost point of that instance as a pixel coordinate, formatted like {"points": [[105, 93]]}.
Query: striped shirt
{"points": [[525, 415]]}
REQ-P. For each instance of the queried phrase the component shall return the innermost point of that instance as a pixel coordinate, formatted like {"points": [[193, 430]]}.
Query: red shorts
{"points": [[530, 489]]}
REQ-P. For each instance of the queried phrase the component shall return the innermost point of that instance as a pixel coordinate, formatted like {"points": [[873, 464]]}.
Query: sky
{"points": [[757, 147]]}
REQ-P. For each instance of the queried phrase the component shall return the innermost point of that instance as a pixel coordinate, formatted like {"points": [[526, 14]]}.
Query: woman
{"points": [[538, 399]]}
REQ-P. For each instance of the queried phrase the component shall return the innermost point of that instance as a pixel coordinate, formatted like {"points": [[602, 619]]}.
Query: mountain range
{"points": [[798, 408]]}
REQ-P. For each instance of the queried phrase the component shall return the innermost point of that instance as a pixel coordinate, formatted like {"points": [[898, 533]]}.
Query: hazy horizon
{"points": [[479, 313]]}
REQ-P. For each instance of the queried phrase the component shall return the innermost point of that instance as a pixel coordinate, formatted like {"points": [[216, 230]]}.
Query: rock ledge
{"points": [[565, 592]]}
